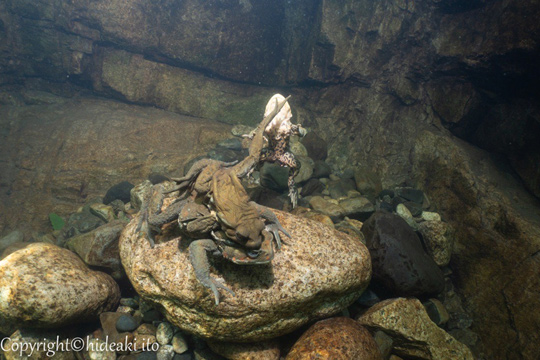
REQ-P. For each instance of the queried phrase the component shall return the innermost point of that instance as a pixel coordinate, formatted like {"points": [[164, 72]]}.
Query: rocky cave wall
{"points": [[388, 84]]}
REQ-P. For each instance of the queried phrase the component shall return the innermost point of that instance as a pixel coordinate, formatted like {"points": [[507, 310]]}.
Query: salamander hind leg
{"points": [[198, 255]]}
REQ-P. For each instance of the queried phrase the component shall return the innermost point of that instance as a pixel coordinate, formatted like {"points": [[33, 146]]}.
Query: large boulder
{"points": [[399, 260], [45, 286], [497, 241], [244, 40], [317, 273], [414, 335], [76, 149]]}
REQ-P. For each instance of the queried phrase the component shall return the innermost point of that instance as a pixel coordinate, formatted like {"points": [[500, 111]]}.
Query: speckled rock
{"points": [[439, 240], [164, 333], [335, 338], [317, 273], [261, 350], [44, 286], [399, 260], [413, 333]]}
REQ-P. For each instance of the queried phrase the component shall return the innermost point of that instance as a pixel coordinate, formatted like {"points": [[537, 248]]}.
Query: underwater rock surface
{"points": [[317, 273], [335, 338], [413, 333], [399, 260], [45, 286]]}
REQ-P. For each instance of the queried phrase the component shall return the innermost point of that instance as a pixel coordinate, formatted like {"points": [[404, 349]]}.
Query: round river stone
{"points": [[317, 273]]}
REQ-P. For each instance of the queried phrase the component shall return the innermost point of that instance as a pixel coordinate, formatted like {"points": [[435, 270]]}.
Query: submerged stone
{"points": [[45, 286], [335, 338], [317, 273], [399, 260]]}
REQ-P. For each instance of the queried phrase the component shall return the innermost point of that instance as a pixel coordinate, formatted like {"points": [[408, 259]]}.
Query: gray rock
{"points": [[11, 238], [399, 260], [318, 272], [306, 169], [102, 211], [224, 154], [179, 343], [46, 286], [297, 148], [165, 352], [97, 350], [410, 194], [357, 208], [313, 186], [82, 222], [164, 333], [100, 247], [430, 216], [321, 169], [367, 182], [325, 207], [126, 323], [406, 215], [316, 147], [274, 176], [340, 188]]}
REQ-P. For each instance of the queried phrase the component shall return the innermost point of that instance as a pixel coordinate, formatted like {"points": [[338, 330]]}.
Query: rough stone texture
{"points": [[261, 350], [325, 207], [399, 260], [413, 333], [57, 156], [238, 38], [439, 240], [176, 89], [100, 247], [495, 259], [338, 338], [317, 273], [44, 286]]}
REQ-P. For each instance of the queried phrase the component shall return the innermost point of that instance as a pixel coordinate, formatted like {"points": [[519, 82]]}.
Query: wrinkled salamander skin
{"points": [[211, 199]]}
